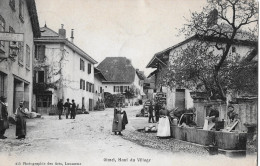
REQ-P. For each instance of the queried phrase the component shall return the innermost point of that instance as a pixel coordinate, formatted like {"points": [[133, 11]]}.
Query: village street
{"points": [[88, 140]]}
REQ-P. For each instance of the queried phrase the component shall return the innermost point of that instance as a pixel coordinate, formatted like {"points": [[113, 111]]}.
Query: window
{"points": [[121, 89], [100, 90], [21, 10], [40, 52], [82, 65], [40, 76], [81, 83], [27, 56], [12, 4], [116, 88], [92, 88], [2, 29], [89, 68], [20, 52], [125, 88]]}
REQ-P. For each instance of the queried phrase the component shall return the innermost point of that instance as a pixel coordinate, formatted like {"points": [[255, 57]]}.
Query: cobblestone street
{"points": [[88, 140]]}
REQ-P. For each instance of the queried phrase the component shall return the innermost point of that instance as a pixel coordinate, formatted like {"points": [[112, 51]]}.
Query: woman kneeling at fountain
{"points": [[164, 129]]}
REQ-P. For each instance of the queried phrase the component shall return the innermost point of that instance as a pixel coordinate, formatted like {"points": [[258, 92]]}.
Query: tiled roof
{"points": [[117, 69]]}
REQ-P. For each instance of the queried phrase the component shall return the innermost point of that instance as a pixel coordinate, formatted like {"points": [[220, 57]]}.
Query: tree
{"points": [[208, 63]]}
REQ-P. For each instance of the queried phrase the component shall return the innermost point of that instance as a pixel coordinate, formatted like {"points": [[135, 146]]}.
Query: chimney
{"points": [[72, 37], [62, 32]]}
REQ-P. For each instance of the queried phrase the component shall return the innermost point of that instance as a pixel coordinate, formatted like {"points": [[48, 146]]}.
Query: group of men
{"points": [[156, 109], [20, 116], [70, 109]]}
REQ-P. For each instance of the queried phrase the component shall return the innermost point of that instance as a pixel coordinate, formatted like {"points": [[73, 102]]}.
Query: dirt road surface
{"points": [[88, 140]]}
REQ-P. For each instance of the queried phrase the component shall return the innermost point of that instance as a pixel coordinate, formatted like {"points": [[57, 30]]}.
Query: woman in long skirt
{"points": [[164, 129], [117, 121]]}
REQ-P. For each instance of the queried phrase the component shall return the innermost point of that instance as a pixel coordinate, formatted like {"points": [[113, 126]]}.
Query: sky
{"points": [[136, 29]]}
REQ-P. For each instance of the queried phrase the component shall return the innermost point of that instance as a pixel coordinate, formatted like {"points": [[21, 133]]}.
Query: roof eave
{"points": [[67, 43], [33, 17]]}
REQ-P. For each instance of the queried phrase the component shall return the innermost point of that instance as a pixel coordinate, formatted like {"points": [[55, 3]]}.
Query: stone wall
{"points": [[224, 140], [246, 110]]}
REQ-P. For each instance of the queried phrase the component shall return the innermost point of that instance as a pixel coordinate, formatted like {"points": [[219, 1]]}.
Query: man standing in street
{"points": [[60, 108], [67, 108], [73, 110], [151, 113], [3, 118], [157, 110], [20, 121]]}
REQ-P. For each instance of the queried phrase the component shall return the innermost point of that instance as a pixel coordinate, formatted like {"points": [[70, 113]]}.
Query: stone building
{"points": [[62, 70], [17, 17]]}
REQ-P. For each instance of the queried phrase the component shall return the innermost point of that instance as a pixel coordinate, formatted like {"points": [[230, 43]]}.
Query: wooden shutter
{"points": [[80, 82], [89, 68]]}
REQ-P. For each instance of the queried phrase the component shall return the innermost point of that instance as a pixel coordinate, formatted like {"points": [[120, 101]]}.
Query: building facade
{"points": [[178, 96], [62, 70], [17, 16], [121, 76]]}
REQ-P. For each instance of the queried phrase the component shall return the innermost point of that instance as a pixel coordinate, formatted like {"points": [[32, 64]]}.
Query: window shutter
{"points": [[114, 88], [80, 64], [80, 82], [89, 68]]}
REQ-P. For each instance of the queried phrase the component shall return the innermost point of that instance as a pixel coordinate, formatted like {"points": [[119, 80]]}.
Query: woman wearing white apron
{"points": [[164, 129]]}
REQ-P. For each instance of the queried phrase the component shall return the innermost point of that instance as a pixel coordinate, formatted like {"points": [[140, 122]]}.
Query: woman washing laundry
{"points": [[164, 129]]}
